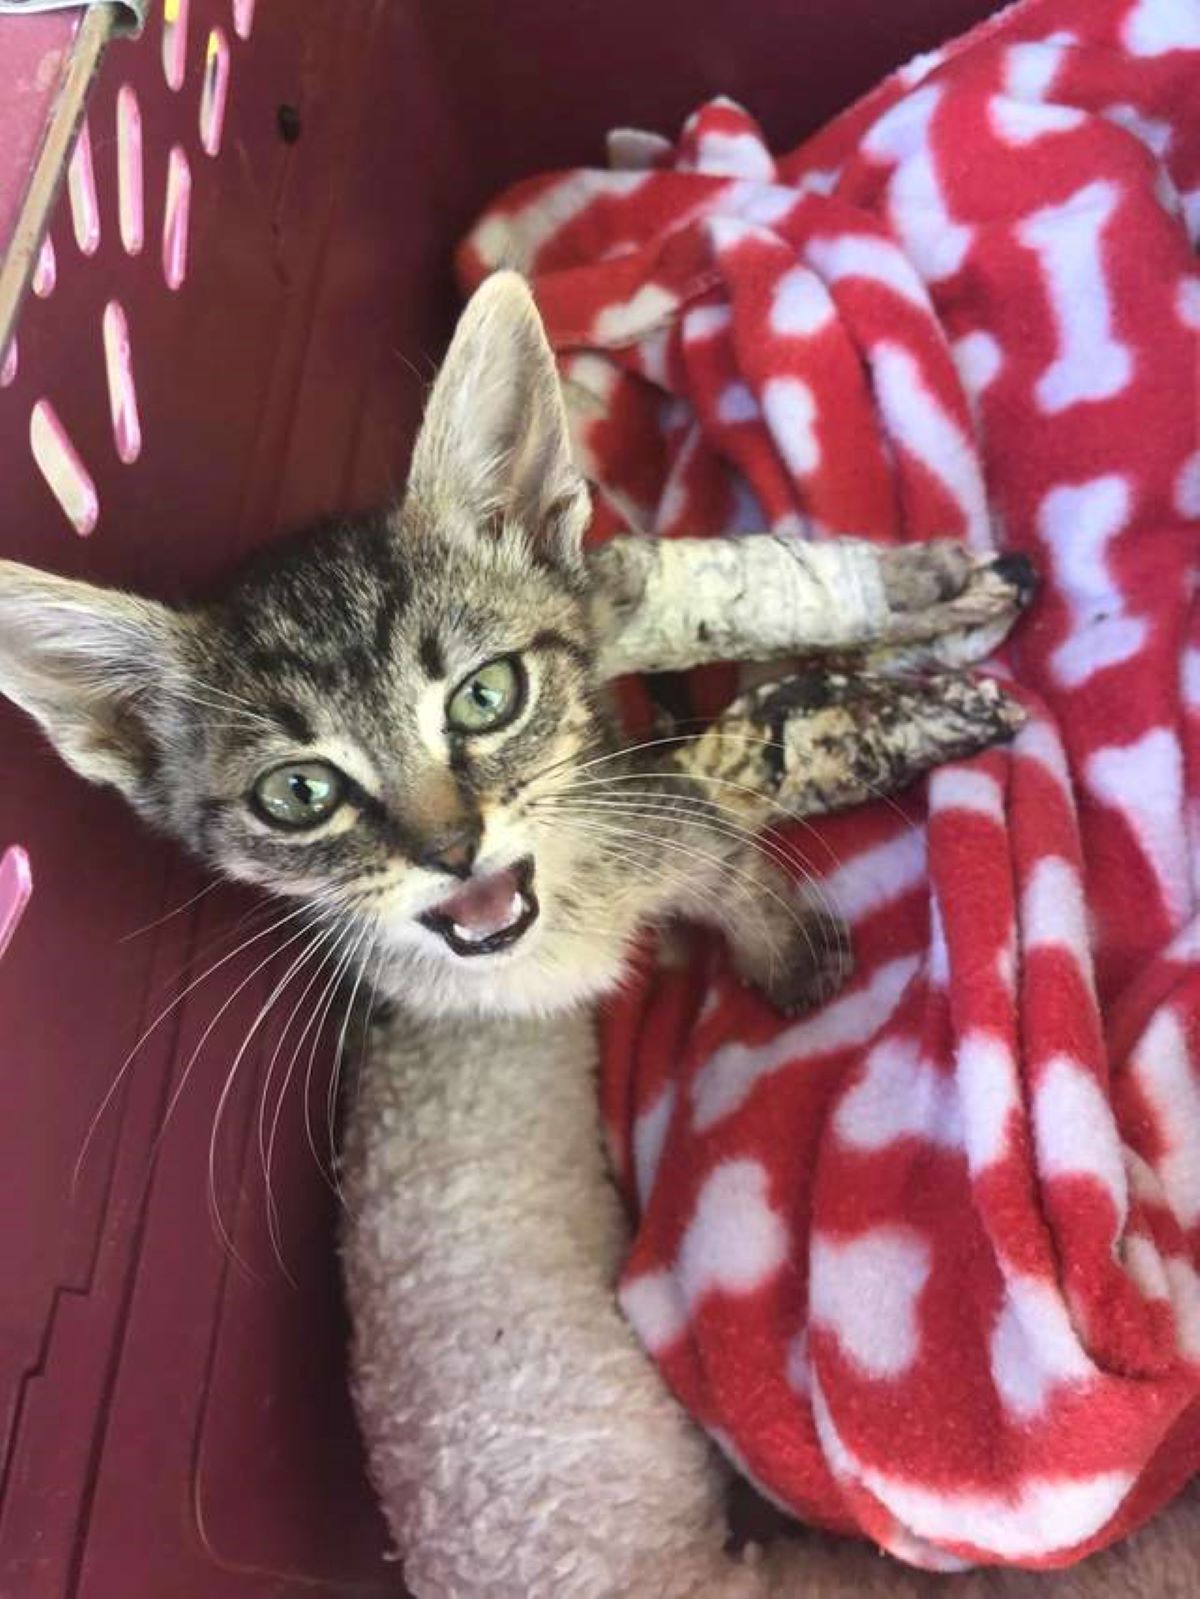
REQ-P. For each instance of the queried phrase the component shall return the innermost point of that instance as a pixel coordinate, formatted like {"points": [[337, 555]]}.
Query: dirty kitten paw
{"points": [[917, 576], [958, 606]]}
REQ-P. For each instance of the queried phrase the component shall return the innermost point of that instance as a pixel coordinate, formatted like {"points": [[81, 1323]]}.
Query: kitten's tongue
{"points": [[486, 906]]}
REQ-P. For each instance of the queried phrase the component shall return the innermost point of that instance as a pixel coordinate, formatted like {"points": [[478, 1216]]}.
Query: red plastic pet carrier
{"points": [[226, 279]]}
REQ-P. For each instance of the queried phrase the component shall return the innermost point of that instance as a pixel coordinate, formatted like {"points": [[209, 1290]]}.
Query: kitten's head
{"points": [[375, 717]]}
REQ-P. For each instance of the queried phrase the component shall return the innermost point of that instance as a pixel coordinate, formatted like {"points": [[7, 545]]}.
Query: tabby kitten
{"points": [[397, 720]]}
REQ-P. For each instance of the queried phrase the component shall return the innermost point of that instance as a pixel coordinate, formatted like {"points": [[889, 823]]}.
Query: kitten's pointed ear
{"points": [[88, 664], [494, 441]]}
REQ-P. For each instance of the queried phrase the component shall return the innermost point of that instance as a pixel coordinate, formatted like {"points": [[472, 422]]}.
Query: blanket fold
{"points": [[924, 1263]]}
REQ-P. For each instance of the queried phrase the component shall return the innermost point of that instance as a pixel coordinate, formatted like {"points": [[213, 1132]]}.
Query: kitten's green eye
{"points": [[489, 698], [302, 794]]}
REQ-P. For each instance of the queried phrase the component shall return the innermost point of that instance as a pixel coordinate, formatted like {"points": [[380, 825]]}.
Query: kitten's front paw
{"points": [[949, 607], [805, 969], [916, 576]]}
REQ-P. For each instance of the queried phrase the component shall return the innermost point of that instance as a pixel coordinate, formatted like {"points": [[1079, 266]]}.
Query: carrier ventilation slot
{"points": [[81, 188], [243, 18], [16, 885], [174, 42], [65, 474], [214, 91], [122, 395], [175, 217], [131, 210], [45, 273]]}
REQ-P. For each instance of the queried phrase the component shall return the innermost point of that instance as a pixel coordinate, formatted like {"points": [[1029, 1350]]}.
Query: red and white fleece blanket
{"points": [[924, 1263]]}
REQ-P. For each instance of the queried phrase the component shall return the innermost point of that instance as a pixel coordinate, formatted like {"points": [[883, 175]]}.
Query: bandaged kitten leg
{"points": [[671, 604]]}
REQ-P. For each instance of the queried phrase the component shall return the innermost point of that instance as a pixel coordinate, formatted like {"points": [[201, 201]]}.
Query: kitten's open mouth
{"points": [[489, 913]]}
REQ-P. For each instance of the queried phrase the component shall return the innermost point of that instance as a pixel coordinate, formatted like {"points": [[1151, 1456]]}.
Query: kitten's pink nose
{"points": [[454, 851]]}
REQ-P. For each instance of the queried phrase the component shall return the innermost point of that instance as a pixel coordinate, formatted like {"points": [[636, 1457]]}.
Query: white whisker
{"points": [[662, 807], [751, 889], [600, 807], [181, 1085], [336, 1069], [159, 921], [158, 1021], [322, 944], [315, 1018], [328, 1000], [227, 1088], [708, 779]]}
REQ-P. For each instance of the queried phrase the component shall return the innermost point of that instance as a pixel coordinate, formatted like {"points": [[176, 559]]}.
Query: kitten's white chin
{"points": [[542, 975]]}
